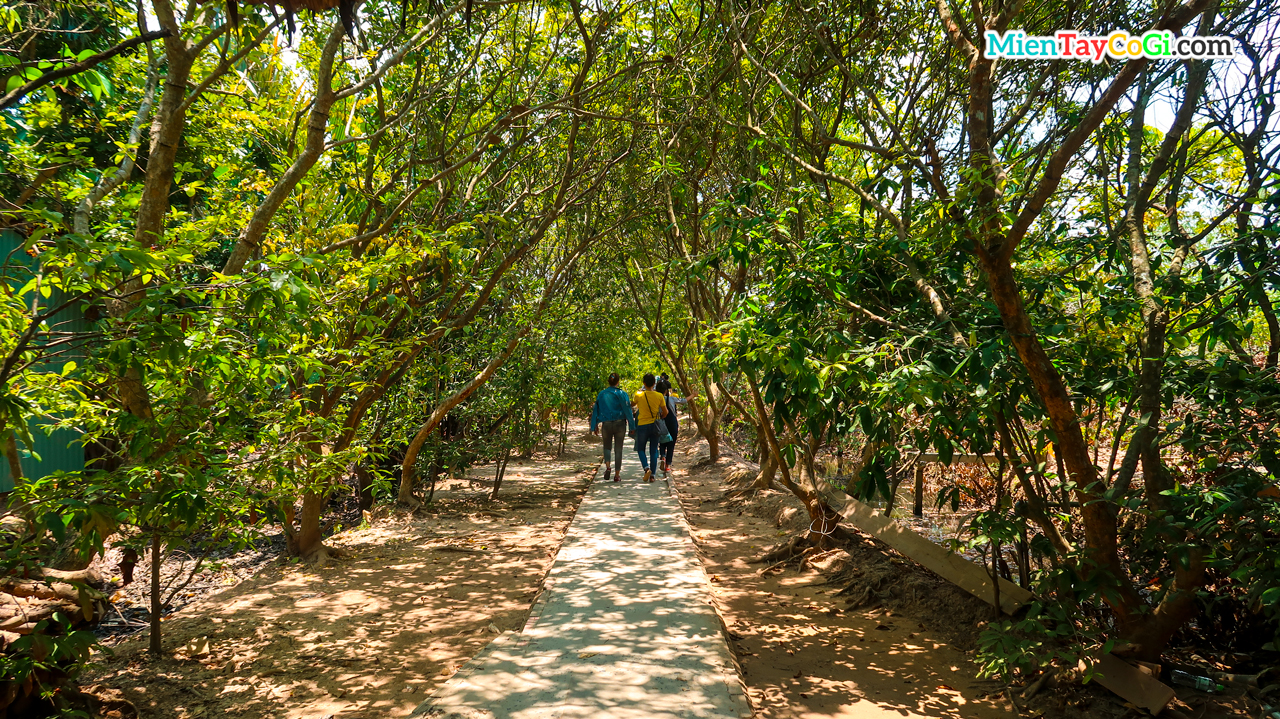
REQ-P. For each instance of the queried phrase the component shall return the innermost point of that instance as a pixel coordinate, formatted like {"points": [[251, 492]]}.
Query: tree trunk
{"points": [[892, 500], [994, 243], [711, 419], [1150, 633], [157, 608], [108, 182], [713, 444], [167, 127], [364, 486], [822, 522], [9, 447], [408, 475], [705, 428], [166, 137], [1100, 527], [435, 477], [768, 469], [917, 492], [1035, 507], [317, 133], [530, 441], [307, 542], [501, 472]]}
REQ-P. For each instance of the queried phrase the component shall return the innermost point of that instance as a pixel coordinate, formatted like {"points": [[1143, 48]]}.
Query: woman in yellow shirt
{"points": [[650, 407]]}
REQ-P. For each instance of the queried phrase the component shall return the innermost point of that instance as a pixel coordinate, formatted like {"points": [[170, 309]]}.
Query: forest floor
{"points": [[370, 635], [859, 631], [804, 652]]}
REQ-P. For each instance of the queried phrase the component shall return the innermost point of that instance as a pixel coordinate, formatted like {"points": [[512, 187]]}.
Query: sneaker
{"points": [[606, 474]]}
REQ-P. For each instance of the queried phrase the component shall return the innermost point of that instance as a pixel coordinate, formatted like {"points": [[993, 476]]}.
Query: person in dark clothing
{"points": [[612, 414], [667, 451]]}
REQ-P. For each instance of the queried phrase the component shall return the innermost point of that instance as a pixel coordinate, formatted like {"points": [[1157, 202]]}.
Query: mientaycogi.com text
{"points": [[1119, 45]]}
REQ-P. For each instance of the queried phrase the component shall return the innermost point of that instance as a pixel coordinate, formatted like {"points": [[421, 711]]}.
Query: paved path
{"points": [[623, 629]]}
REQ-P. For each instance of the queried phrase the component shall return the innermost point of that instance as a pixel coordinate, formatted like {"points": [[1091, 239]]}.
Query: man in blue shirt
{"points": [[612, 414]]}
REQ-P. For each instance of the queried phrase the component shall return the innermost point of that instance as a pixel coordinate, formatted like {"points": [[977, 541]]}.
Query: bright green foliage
{"points": [[435, 239]]}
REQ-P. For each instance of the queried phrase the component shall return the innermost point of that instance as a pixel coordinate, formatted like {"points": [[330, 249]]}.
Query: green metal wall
{"points": [[60, 450]]}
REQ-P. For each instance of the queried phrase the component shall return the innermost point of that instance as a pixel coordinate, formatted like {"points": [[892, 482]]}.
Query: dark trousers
{"points": [[647, 437], [613, 433], [667, 450]]}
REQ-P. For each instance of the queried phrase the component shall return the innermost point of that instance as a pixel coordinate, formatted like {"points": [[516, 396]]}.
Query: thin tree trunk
{"points": [[156, 646], [317, 134], [108, 182], [1035, 509], [408, 471], [10, 448], [768, 468], [502, 472], [1100, 526], [364, 487], [819, 518], [408, 476], [431, 491]]}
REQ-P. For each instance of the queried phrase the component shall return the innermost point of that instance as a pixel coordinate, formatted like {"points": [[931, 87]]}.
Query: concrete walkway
{"points": [[622, 630]]}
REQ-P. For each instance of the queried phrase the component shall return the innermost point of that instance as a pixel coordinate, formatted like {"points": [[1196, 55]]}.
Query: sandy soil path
{"points": [[368, 636], [803, 653]]}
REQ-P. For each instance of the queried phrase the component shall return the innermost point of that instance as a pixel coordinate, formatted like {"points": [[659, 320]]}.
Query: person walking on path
{"points": [[667, 450], [612, 414], [651, 407]]}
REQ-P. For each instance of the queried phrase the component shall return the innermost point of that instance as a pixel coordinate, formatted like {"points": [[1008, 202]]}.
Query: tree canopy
{"points": [[251, 252]]}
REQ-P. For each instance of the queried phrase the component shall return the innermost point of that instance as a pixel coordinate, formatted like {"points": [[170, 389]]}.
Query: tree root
{"points": [[784, 551], [802, 559], [1038, 684], [321, 557], [739, 494], [849, 588], [864, 593], [810, 557], [1008, 693], [772, 567]]}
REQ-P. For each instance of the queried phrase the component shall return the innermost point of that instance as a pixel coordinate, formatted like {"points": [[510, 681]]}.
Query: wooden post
{"points": [[952, 567], [919, 508]]}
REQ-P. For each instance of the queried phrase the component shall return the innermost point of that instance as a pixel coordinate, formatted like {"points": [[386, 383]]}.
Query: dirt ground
{"points": [[860, 631], [803, 651], [368, 636]]}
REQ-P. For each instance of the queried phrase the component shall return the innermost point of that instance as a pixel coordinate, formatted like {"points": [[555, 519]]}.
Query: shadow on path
{"points": [[623, 629], [371, 635], [804, 652]]}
